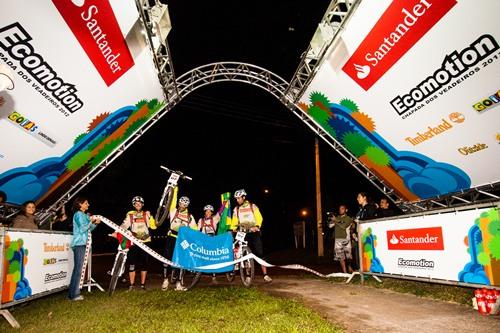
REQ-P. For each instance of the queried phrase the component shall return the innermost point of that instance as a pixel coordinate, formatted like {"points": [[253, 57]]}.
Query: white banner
{"points": [[412, 90], [83, 82], [35, 262], [458, 246]]}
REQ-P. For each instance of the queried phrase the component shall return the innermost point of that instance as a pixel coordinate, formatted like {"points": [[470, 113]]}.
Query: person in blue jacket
{"points": [[82, 224]]}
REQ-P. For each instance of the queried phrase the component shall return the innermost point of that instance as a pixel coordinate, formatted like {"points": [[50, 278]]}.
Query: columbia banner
{"points": [[411, 89], [461, 246], [195, 249]]}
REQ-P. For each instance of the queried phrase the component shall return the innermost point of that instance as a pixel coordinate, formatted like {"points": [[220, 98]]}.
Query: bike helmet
{"points": [[210, 207], [240, 193], [184, 200], [137, 199]]}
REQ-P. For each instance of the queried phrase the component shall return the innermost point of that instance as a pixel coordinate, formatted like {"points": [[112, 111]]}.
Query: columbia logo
{"points": [[185, 244]]}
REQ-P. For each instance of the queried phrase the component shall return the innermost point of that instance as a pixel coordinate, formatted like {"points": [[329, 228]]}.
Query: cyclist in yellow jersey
{"points": [[247, 216], [179, 217], [139, 222]]}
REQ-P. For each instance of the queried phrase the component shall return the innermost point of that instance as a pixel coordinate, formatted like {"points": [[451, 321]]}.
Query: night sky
{"points": [[228, 136]]}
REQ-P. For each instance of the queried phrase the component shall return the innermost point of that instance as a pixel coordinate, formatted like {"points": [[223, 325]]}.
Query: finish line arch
{"points": [[225, 72]]}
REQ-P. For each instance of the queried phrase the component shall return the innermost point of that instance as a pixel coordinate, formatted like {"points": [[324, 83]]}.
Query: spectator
{"points": [[341, 225], [82, 224], [366, 211], [384, 210], [61, 221], [26, 219]]}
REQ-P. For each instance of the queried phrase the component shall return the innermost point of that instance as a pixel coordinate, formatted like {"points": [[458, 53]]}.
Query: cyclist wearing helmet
{"points": [[246, 215], [179, 217], [208, 224], [139, 222]]}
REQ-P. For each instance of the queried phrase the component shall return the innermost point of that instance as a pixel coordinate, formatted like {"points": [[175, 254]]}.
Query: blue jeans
{"points": [[78, 256]]}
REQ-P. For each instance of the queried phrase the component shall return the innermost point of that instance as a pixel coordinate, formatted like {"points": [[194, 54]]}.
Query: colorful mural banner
{"points": [[33, 263], [461, 246], [412, 101], [84, 82]]}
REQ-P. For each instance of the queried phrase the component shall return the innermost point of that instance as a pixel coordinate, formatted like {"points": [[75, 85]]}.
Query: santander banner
{"points": [[398, 29], [461, 246], [95, 27], [410, 88]]}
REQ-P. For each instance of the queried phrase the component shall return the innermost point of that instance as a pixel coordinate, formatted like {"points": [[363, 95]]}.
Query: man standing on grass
{"points": [[341, 225]]}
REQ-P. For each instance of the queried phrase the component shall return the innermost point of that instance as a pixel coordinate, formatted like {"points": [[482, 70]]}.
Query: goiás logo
{"points": [[399, 28], [31, 128], [94, 25], [487, 103], [415, 263], [415, 239], [453, 66], [49, 261], [15, 40], [433, 131]]}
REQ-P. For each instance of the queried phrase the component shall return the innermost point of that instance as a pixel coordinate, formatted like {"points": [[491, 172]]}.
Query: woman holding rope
{"points": [[82, 224]]}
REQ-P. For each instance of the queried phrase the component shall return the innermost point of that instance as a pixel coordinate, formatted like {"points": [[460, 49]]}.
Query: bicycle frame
{"points": [[166, 198], [118, 268], [247, 267]]}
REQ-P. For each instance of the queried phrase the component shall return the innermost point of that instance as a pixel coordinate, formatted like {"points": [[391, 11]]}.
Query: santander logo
{"points": [[399, 28], [415, 239], [94, 25]]}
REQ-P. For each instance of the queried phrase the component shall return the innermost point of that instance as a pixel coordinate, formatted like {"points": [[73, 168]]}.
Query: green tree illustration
{"points": [[356, 143], [349, 104], [79, 160], [377, 156]]}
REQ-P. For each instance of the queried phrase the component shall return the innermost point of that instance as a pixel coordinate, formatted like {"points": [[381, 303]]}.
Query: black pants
{"points": [[137, 259], [255, 243]]}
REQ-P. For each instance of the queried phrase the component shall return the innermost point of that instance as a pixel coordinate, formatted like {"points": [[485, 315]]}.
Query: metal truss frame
{"points": [[176, 89]]}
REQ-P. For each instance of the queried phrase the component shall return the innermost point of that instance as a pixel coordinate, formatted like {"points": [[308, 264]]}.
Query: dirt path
{"points": [[364, 309]]}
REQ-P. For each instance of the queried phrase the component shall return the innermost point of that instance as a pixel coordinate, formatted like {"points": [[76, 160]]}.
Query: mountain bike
{"points": [[118, 266], [166, 198], [241, 249]]}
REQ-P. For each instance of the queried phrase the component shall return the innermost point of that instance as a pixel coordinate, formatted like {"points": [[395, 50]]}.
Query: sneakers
{"points": [[248, 280], [179, 287], [164, 285], [78, 298], [267, 278], [143, 287], [131, 288], [214, 280]]}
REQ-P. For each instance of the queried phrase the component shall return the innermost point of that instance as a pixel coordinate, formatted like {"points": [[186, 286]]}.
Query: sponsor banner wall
{"points": [[412, 90], [84, 81], [35, 262], [459, 246], [195, 249]]}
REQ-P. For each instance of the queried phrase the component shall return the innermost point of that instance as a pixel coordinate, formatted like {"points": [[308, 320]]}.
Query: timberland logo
{"points": [[184, 244], [399, 28], [471, 150], [431, 131]]}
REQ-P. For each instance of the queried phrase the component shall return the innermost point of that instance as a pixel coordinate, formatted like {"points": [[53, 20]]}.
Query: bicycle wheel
{"points": [[189, 278], [115, 273], [247, 268], [163, 207]]}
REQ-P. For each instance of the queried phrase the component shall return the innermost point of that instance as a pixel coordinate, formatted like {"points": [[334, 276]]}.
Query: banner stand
{"points": [[10, 318], [360, 261], [90, 282]]}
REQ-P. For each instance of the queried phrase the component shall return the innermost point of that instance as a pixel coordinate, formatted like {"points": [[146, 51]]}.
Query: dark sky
{"points": [[232, 135]]}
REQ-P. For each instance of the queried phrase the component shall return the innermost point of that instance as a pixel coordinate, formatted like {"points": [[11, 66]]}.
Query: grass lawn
{"points": [[199, 310]]}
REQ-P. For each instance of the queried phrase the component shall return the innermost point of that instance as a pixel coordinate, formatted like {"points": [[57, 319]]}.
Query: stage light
{"points": [[161, 24]]}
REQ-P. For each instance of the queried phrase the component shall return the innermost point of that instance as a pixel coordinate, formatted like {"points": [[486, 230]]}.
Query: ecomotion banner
{"points": [[83, 82], [35, 262], [461, 246], [411, 89]]}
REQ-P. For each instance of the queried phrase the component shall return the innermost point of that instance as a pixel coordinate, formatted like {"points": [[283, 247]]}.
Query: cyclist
{"points": [[139, 222], [247, 215], [208, 223], [179, 217]]}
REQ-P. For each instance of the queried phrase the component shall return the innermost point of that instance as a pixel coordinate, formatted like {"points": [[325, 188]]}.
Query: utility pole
{"points": [[319, 214]]}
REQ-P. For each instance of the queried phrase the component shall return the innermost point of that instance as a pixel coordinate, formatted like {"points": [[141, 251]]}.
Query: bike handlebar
{"points": [[183, 176]]}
